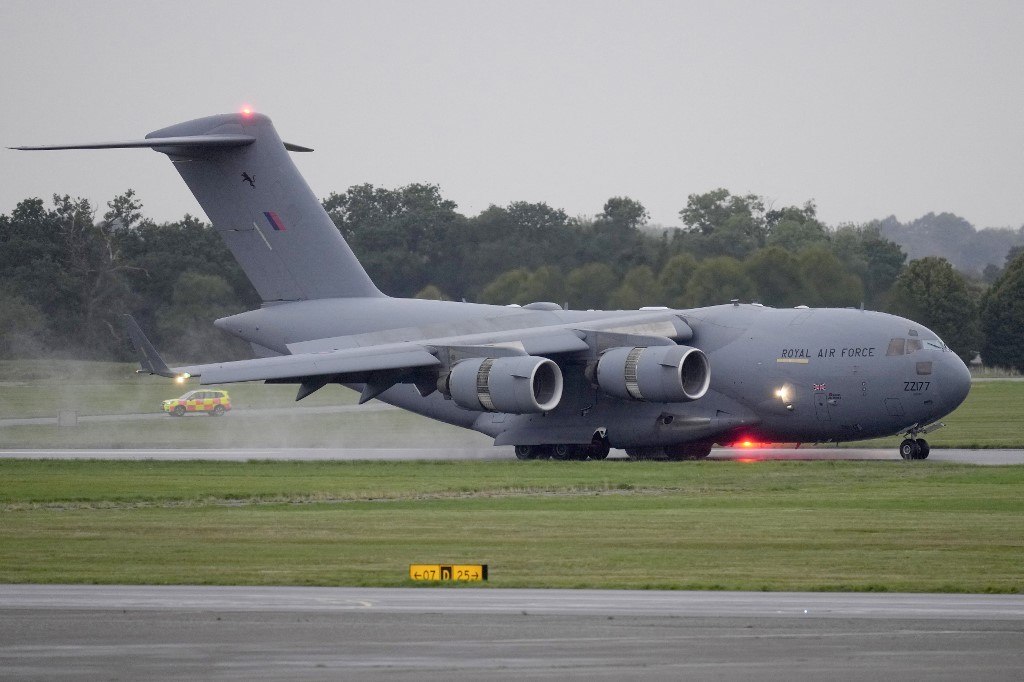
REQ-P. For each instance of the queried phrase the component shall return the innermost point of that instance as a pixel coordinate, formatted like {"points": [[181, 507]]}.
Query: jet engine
{"points": [[520, 384], [659, 374]]}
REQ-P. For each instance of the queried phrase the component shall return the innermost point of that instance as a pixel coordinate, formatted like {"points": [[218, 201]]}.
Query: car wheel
{"points": [[218, 411], [179, 411]]}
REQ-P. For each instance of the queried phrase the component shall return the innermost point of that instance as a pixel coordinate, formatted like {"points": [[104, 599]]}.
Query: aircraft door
{"points": [[821, 406]]}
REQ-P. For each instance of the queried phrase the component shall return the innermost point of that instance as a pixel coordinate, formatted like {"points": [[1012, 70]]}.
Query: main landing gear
{"points": [[598, 449], [676, 453], [914, 448]]}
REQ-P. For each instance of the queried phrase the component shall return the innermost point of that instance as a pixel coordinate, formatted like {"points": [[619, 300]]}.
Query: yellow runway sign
{"points": [[448, 571]]}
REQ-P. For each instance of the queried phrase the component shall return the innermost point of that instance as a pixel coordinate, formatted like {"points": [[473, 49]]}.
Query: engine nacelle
{"points": [[657, 374], [521, 384]]}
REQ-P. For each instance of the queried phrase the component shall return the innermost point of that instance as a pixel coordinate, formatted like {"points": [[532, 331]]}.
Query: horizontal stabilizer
{"points": [[181, 141]]}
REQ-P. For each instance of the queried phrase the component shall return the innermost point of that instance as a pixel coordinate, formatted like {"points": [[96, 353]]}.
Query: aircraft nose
{"points": [[956, 382]]}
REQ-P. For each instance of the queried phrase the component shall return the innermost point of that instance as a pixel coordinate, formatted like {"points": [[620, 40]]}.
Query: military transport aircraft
{"points": [[568, 384]]}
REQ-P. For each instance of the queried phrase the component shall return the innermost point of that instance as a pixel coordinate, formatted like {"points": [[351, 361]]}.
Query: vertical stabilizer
{"points": [[261, 206]]}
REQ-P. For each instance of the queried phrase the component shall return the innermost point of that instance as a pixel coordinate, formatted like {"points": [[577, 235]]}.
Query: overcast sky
{"points": [[868, 108]]}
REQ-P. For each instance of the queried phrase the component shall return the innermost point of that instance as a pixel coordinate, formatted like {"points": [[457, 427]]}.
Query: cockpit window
{"points": [[909, 346], [896, 347]]}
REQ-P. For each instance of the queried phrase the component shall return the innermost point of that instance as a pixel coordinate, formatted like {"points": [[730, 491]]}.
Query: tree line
{"points": [[978, 253], [67, 274]]}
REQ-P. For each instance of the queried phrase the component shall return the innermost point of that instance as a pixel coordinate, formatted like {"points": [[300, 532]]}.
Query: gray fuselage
{"points": [[777, 375]]}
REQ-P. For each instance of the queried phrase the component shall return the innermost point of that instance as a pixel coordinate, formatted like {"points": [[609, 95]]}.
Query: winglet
{"points": [[149, 360]]}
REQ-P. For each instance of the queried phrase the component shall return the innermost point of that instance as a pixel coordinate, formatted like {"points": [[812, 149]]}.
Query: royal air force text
{"points": [[828, 353]]}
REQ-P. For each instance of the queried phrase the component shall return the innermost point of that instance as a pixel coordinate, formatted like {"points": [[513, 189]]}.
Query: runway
{"points": [[750, 455], [124, 632]]}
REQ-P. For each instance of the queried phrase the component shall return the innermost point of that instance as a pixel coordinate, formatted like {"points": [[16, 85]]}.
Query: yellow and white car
{"points": [[214, 403]]}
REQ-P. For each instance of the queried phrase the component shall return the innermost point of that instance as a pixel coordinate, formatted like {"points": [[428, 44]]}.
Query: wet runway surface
{"points": [[124, 632], [989, 457], [264, 412]]}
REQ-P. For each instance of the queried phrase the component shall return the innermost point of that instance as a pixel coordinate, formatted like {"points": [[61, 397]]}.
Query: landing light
{"points": [[785, 394], [182, 377]]}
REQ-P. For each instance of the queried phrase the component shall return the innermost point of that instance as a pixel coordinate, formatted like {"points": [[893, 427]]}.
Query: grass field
{"points": [[992, 416], [902, 526]]}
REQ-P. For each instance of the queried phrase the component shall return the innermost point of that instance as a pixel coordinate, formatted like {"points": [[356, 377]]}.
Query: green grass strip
{"points": [[897, 526]]}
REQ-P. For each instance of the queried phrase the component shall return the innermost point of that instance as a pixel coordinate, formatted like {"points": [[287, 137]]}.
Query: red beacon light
{"points": [[247, 112]]}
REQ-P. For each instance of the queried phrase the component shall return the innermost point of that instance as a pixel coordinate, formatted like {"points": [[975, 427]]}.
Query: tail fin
{"points": [[277, 230], [263, 209]]}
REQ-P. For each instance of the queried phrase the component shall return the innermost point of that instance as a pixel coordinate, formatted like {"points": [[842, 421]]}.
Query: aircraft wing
{"points": [[379, 366], [342, 362], [347, 361], [339, 362]]}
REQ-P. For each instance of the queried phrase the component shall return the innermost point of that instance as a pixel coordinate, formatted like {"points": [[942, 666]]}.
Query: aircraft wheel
{"points": [[646, 453], [561, 451], [599, 449], [179, 411], [525, 452], [924, 448], [688, 451], [701, 450], [909, 449], [218, 411]]}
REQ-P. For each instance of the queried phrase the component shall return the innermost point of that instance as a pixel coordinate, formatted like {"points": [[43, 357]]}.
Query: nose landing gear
{"points": [[914, 448]]}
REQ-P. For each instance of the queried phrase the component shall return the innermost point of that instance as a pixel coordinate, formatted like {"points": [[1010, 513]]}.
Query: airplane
{"points": [[565, 384]]}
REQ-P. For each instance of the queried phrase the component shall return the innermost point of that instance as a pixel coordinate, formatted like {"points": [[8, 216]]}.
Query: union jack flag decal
{"points": [[275, 220], [819, 387]]}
